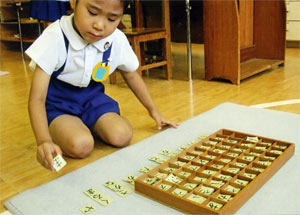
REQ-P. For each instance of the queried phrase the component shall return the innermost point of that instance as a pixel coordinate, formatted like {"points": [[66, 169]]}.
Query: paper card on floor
{"points": [[98, 197], [130, 179], [121, 190], [167, 153], [145, 169], [157, 159], [88, 209]]}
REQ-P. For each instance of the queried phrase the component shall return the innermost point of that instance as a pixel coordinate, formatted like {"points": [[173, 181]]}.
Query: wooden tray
{"points": [[216, 175]]}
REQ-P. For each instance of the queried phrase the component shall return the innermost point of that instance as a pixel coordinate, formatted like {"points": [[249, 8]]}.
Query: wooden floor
{"points": [[179, 100]]}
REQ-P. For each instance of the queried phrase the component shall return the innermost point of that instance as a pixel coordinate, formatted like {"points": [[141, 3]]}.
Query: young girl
{"points": [[67, 101]]}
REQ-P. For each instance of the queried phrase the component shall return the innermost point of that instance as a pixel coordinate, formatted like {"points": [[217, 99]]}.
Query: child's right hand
{"points": [[46, 152]]}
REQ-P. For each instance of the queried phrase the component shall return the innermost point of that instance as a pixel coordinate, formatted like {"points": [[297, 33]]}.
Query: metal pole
{"points": [[188, 34], [18, 6], [39, 27]]}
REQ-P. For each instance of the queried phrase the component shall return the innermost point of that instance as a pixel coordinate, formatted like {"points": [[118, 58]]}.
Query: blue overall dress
{"points": [[88, 103]]}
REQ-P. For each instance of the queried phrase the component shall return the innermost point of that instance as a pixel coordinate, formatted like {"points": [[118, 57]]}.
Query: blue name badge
{"points": [[100, 72]]}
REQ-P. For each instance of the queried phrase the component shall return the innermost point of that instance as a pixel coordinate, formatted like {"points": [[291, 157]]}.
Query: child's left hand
{"points": [[161, 121]]}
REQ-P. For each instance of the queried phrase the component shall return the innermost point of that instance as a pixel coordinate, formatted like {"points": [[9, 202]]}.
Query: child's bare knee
{"points": [[81, 146], [121, 137]]}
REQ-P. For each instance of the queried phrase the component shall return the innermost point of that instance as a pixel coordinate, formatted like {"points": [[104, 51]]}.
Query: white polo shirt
{"points": [[49, 52]]}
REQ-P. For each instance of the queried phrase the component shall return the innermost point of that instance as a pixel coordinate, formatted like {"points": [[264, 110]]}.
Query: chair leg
{"points": [[137, 49], [167, 56]]}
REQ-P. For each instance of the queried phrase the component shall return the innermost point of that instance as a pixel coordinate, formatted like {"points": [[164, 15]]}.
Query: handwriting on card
{"points": [[119, 189], [98, 197]]}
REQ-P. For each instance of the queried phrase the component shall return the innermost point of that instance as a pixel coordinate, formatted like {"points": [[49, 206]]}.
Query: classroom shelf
{"points": [[14, 39], [243, 38], [257, 65], [15, 21], [23, 22]]}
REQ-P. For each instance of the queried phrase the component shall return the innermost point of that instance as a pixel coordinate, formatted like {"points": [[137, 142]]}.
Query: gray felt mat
{"points": [[280, 195]]}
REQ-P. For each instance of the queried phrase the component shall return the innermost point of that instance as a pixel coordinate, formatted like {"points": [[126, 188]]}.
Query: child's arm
{"points": [[138, 87], [37, 111]]}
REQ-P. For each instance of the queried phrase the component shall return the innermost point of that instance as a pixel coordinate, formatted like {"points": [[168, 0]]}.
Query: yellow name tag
{"points": [[100, 72]]}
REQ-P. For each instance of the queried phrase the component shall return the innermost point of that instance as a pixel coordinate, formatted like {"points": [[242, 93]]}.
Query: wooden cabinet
{"points": [[243, 37], [293, 23]]}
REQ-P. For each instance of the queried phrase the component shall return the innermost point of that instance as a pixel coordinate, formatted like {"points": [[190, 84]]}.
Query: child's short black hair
{"points": [[125, 3]]}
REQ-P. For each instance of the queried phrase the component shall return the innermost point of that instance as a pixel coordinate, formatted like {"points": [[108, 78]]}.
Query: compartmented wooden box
{"points": [[216, 175]]}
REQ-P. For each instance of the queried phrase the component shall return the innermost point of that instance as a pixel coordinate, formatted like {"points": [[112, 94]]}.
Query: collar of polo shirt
{"points": [[76, 40]]}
